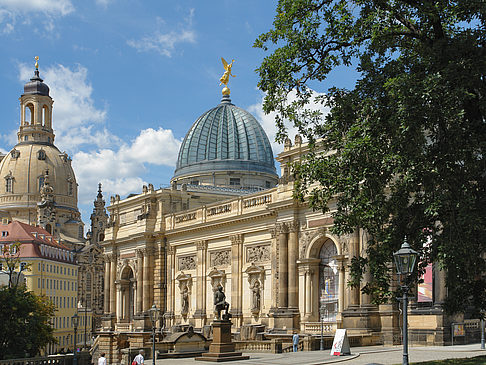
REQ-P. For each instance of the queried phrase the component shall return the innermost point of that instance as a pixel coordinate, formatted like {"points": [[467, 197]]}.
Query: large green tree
{"points": [[25, 326], [408, 141], [25, 318]]}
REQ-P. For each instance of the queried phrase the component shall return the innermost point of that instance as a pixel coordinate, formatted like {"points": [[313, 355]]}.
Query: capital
{"points": [[236, 239], [202, 244]]}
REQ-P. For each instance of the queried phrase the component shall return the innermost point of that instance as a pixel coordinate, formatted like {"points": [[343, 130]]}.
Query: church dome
{"points": [[226, 138]]}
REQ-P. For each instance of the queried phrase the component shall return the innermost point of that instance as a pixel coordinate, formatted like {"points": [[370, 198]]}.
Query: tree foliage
{"points": [[25, 327], [408, 140], [25, 317]]}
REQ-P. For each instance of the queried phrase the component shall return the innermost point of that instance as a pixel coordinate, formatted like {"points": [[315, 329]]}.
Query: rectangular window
{"points": [[39, 266], [38, 282], [4, 233], [64, 285], [69, 271], [42, 283], [234, 181], [9, 185]]}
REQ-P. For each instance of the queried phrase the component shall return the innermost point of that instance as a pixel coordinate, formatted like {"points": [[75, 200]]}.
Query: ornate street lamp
{"points": [[405, 259], [154, 317], [75, 322]]}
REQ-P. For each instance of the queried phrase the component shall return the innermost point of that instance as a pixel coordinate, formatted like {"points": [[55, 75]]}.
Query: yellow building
{"points": [[52, 271]]}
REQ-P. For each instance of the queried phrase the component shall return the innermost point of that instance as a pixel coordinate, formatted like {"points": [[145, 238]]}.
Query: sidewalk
{"points": [[370, 355]]}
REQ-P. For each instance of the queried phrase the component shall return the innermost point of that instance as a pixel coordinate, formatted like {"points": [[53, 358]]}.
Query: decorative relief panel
{"points": [[258, 253], [220, 258], [187, 263]]}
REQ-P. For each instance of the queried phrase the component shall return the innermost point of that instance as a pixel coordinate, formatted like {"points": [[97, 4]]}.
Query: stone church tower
{"points": [[39, 186], [91, 261]]}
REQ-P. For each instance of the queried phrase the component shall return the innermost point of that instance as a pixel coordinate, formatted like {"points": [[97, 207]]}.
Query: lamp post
{"points": [[405, 259], [75, 322], [154, 317]]}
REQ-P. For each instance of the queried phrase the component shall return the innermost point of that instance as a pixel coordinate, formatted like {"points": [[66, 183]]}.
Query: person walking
{"points": [[102, 359], [138, 360], [295, 341]]}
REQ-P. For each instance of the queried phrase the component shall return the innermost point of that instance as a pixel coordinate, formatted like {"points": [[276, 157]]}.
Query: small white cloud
{"points": [[165, 42], [268, 120]]}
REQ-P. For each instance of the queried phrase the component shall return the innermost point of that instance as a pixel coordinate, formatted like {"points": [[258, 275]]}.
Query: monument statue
{"points": [[220, 304]]}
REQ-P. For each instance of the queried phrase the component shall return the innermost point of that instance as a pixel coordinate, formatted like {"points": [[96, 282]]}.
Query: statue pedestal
{"points": [[222, 349]]}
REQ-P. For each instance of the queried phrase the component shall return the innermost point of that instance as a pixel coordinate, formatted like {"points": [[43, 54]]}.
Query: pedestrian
{"points": [[102, 359], [295, 341], [138, 360]]}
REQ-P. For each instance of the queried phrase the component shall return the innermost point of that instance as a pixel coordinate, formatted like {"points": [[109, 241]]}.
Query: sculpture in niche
{"points": [[255, 290], [184, 300], [221, 304]]}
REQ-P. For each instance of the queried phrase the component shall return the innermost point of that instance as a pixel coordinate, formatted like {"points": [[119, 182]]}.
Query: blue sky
{"points": [[129, 78]]}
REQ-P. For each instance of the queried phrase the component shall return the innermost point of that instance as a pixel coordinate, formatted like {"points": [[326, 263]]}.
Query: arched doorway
{"points": [[328, 282], [127, 294]]}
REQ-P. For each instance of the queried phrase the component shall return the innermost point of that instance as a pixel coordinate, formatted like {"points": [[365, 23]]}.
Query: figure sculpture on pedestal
{"points": [[221, 304]]}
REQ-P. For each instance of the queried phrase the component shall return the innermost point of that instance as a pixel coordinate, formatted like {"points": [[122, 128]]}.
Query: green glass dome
{"points": [[225, 138]]}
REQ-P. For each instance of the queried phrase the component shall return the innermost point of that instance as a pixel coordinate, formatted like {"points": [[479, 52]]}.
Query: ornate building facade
{"points": [[279, 264]]}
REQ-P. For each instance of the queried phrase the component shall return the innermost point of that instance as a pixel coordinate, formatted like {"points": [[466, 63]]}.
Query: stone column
{"points": [[146, 279], [354, 252], [236, 276], [308, 292], [170, 252], [440, 290], [293, 255], [107, 285], [365, 299], [112, 283], [283, 265], [274, 267], [119, 301], [201, 269], [341, 296], [160, 278], [139, 281]]}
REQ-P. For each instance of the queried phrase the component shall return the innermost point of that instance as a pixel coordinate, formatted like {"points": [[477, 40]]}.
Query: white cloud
{"points": [[13, 10], [165, 42], [53, 7], [119, 170], [268, 120], [75, 117]]}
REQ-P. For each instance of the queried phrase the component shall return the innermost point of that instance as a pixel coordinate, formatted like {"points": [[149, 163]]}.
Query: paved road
{"points": [[370, 355]]}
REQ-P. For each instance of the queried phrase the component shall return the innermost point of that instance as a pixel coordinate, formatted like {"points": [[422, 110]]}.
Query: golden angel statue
{"points": [[227, 72], [36, 62]]}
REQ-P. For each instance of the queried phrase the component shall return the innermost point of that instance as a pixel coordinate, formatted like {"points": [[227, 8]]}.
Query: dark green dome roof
{"points": [[225, 138]]}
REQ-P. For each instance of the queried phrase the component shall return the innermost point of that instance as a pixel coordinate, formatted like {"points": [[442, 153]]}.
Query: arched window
{"points": [[29, 114], [41, 154], [328, 282], [45, 115]]}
